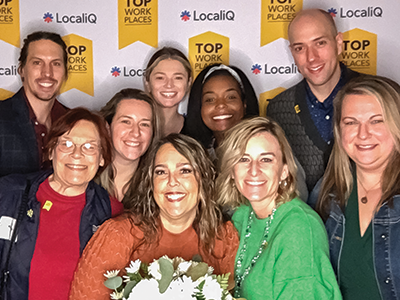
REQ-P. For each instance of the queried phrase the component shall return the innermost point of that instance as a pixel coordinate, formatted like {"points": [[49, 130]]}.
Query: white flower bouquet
{"points": [[167, 278]]}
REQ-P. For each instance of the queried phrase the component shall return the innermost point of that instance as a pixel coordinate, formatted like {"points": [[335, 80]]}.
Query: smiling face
{"points": [[176, 189], [365, 135], [222, 106], [73, 171], [258, 172], [131, 130], [44, 71], [169, 82], [315, 49]]}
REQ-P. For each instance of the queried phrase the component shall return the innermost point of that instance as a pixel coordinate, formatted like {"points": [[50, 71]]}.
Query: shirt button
{"points": [[329, 142], [327, 117], [387, 280], [383, 236], [43, 134], [36, 123]]}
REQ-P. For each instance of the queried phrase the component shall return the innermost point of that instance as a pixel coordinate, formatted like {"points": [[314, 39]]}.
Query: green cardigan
{"points": [[295, 265]]}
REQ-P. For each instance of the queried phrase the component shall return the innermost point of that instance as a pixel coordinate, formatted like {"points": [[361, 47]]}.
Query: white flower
{"points": [[134, 266], [212, 289], [210, 270], [146, 289], [154, 270], [167, 258], [184, 266], [111, 274], [116, 295], [182, 288], [228, 297]]}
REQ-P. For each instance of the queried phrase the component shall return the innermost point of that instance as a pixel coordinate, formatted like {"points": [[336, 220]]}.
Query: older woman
{"points": [[173, 212], [283, 251], [48, 217], [168, 79], [133, 120], [360, 189], [221, 96]]}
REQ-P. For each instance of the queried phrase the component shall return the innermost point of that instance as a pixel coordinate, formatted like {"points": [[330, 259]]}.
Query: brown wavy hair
{"points": [[106, 179], [144, 210]]}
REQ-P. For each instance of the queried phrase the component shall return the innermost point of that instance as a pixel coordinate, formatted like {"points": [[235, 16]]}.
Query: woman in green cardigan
{"points": [[283, 252]]}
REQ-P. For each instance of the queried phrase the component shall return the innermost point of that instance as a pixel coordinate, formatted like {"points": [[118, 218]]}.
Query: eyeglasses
{"points": [[87, 148]]}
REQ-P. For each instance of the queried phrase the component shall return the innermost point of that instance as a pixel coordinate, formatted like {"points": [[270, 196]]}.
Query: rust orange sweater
{"points": [[110, 249]]}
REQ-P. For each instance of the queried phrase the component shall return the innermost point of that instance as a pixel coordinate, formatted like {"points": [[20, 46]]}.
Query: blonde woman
{"points": [[359, 196], [168, 79], [283, 251]]}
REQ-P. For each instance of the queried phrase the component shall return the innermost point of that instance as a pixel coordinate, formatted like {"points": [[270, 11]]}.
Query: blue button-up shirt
{"points": [[322, 112]]}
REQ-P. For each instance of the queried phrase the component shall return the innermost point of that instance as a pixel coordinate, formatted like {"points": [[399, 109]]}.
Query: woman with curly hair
{"points": [[172, 212]]}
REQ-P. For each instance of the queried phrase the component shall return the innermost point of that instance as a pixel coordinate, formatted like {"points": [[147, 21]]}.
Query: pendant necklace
{"points": [[240, 274], [364, 200]]}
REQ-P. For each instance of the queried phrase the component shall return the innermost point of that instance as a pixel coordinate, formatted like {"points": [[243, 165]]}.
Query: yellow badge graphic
{"points": [[137, 21], [275, 18], [206, 49], [30, 213], [47, 205], [80, 64], [4, 94], [360, 51], [9, 21], [265, 97]]}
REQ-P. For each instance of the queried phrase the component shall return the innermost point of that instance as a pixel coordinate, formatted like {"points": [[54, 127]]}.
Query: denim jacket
{"points": [[386, 241]]}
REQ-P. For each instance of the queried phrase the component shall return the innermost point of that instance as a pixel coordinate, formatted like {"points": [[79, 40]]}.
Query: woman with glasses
{"points": [[47, 218]]}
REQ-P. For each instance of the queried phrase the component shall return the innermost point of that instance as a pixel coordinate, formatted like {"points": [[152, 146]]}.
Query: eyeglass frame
{"points": [[98, 147]]}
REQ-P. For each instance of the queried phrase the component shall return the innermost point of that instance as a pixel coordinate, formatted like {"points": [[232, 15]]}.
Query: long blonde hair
{"points": [[338, 178], [232, 149]]}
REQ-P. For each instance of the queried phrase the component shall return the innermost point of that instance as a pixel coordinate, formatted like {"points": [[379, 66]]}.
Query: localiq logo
{"points": [[256, 69], [48, 17], [185, 15], [115, 71]]}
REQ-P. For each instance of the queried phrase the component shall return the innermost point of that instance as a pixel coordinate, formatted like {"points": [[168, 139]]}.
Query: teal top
{"points": [[295, 264], [356, 271]]}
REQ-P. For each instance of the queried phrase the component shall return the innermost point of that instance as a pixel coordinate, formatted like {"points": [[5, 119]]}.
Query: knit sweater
{"points": [[111, 248], [295, 264], [291, 112]]}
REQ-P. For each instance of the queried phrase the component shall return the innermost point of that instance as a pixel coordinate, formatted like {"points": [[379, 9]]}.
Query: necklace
{"points": [[364, 200], [240, 274]]}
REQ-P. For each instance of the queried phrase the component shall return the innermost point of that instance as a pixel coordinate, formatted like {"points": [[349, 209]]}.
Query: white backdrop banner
{"points": [[110, 42]]}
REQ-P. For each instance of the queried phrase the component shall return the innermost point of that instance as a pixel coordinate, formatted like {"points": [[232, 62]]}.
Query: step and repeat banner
{"points": [[110, 42]]}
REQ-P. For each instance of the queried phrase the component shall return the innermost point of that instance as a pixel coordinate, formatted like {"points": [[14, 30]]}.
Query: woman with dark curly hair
{"points": [[172, 212]]}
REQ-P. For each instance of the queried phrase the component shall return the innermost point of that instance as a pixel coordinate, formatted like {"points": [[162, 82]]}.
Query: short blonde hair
{"points": [[232, 149]]}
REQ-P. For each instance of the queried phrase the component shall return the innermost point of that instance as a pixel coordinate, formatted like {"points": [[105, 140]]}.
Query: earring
{"points": [[283, 184]]}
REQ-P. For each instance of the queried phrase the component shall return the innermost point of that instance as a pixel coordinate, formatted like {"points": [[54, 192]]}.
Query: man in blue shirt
{"points": [[305, 110]]}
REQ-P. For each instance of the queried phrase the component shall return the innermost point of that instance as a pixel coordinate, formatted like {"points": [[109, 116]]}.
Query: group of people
{"points": [[83, 193]]}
